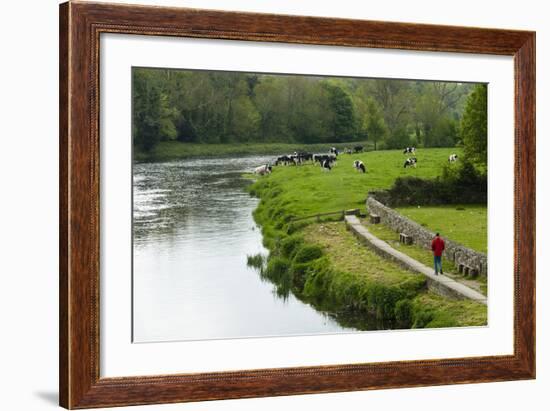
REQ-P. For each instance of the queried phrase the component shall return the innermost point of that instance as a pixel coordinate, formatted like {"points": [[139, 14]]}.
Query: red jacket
{"points": [[438, 245]]}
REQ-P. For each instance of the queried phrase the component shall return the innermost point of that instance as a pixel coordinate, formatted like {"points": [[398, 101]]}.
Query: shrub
{"points": [[308, 253], [277, 268], [299, 274], [421, 318], [318, 279], [457, 184], [403, 313], [290, 245]]}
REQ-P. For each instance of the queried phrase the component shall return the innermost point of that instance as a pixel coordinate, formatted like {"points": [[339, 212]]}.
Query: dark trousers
{"points": [[437, 264]]}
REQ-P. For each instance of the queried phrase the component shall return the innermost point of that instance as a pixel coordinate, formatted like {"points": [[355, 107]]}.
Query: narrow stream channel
{"points": [[193, 229]]}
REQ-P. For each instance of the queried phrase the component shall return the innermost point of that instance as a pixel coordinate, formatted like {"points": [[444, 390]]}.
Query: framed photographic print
{"points": [[258, 205]]}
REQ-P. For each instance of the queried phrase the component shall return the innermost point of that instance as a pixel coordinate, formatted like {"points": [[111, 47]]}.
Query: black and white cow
{"points": [[409, 150], [453, 157], [358, 149], [359, 166], [283, 160], [347, 150], [410, 162], [303, 156], [320, 158], [326, 165], [333, 150], [262, 170], [296, 159]]}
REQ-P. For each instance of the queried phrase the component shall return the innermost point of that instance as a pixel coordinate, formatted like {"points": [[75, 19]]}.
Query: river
{"points": [[192, 232]]}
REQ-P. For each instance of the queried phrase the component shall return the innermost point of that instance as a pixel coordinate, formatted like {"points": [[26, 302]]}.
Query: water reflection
{"points": [[193, 230]]}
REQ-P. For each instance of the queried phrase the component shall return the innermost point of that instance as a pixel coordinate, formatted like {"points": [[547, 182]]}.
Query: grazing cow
{"points": [[409, 150], [326, 165], [319, 158], [359, 166], [283, 160], [262, 170], [358, 149], [453, 158], [347, 151], [410, 162], [304, 156]]}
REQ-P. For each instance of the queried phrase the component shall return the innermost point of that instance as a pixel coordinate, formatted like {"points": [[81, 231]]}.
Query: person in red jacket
{"points": [[438, 245]]}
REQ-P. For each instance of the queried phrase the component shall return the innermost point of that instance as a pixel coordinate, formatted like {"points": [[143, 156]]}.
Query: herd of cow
{"points": [[328, 161]]}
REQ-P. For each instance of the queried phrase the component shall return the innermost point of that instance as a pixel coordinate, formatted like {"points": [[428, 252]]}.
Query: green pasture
{"points": [[425, 256], [344, 273], [466, 224], [359, 276], [307, 189]]}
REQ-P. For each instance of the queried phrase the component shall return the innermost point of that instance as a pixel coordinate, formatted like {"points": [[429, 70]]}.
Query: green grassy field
{"points": [[424, 256], [354, 275], [357, 269], [308, 189], [466, 224], [171, 150]]}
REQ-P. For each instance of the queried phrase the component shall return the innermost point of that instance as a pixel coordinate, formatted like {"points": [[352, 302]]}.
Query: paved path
{"points": [[438, 283]]}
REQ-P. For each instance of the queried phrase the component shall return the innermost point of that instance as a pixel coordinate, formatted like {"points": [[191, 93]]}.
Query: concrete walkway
{"points": [[440, 284]]}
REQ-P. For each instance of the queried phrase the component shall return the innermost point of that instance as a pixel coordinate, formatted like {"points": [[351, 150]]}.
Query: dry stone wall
{"points": [[463, 257]]}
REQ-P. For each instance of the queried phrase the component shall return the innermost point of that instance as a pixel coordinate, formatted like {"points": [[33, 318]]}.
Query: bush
{"points": [[277, 268], [299, 274], [422, 318], [462, 184], [308, 253], [318, 279], [290, 245], [403, 313]]}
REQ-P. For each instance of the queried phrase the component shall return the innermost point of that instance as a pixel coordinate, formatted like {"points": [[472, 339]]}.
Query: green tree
{"points": [[473, 127], [374, 122], [395, 99], [343, 113], [220, 107], [399, 139], [151, 116]]}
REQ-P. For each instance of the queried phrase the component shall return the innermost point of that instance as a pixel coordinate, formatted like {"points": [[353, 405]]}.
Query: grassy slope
{"points": [[306, 190], [466, 224], [347, 255], [170, 150], [424, 256]]}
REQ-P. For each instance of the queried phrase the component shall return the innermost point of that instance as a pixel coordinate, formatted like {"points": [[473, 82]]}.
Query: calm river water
{"points": [[193, 230]]}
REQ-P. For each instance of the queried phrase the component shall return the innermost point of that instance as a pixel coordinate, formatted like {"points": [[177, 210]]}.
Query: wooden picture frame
{"points": [[80, 27]]}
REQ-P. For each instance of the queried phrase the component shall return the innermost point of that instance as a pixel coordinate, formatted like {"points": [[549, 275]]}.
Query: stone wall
{"points": [[454, 251]]}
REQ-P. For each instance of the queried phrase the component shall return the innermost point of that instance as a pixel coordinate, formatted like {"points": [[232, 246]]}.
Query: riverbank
{"points": [[172, 150], [349, 277]]}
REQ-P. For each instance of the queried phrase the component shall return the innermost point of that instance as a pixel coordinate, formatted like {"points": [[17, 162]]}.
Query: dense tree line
{"points": [[226, 107]]}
